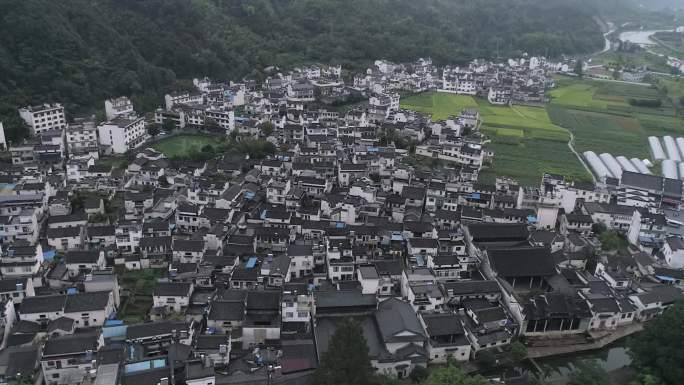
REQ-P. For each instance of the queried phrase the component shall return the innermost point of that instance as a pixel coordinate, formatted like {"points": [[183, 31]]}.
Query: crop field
{"points": [[529, 141], [529, 159], [602, 132], [438, 104], [633, 59], [527, 144], [601, 120]]}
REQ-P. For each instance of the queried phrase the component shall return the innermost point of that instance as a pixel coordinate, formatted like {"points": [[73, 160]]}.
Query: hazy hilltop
{"points": [[82, 51], [660, 4]]}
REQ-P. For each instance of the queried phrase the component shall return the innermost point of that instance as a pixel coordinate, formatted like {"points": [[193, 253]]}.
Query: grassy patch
{"points": [[613, 241], [439, 105], [183, 145], [137, 289], [114, 161]]}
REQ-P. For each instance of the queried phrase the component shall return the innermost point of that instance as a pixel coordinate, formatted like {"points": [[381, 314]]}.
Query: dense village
{"points": [[238, 269]]}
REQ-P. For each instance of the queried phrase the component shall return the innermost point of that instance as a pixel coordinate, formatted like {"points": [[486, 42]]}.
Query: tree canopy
{"points": [[659, 349], [589, 373], [346, 361], [452, 375]]}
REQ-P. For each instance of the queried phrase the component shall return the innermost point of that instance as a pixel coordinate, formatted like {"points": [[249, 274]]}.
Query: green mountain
{"points": [[80, 52]]}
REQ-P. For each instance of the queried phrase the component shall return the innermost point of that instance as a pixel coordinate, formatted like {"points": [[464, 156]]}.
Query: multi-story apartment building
{"points": [[81, 139], [122, 134], [44, 117]]}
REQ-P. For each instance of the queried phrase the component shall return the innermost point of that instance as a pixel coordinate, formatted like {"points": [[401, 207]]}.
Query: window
{"points": [[289, 314]]}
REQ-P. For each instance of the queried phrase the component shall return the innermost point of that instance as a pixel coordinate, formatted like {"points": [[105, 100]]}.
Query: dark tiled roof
{"points": [[522, 262], [81, 256], [86, 302], [42, 304], [497, 232], [70, 344], [227, 311]]}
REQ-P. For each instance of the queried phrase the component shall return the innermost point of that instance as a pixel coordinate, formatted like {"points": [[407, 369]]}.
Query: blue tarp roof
{"points": [[251, 262], [114, 331], [340, 225], [49, 255], [531, 218], [72, 290], [475, 196], [665, 278]]}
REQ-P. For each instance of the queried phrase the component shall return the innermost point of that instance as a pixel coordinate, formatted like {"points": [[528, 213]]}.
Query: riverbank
{"points": [[567, 345], [558, 370]]}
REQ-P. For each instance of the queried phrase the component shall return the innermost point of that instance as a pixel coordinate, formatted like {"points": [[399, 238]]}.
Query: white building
{"points": [[122, 134], [120, 106], [182, 98], [224, 117], [673, 250], [82, 140], [3, 142], [44, 117]]}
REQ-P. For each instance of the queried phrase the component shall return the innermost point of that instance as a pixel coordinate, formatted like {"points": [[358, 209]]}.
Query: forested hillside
{"points": [[81, 51]]}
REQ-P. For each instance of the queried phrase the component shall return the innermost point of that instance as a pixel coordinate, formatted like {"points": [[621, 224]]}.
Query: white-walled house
{"points": [[69, 359], [673, 250], [89, 309], [173, 296], [86, 309], [20, 261], [16, 289], [78, 261], [446, 337]]}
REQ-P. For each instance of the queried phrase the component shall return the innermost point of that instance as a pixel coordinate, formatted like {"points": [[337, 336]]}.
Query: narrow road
{"points": [[571, 144]]}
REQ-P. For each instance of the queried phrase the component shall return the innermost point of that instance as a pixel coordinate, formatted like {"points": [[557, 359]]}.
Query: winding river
{"points": [[640, 37]]}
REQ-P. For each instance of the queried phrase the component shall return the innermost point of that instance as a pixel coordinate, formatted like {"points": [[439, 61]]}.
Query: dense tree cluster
{"points": [[659, 349]]}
